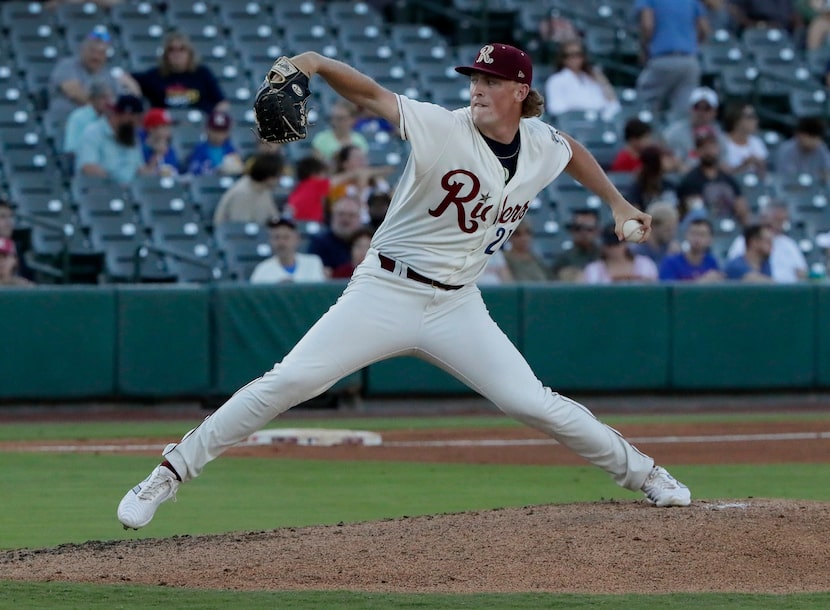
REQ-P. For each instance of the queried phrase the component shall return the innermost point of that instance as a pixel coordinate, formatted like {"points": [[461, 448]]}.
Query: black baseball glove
{"points": [[279, 106]]}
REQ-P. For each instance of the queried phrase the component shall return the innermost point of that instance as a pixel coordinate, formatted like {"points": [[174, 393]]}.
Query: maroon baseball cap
{"points": [[503, 61]]}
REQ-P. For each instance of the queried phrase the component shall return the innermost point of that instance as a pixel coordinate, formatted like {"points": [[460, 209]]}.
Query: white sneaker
{"points": [[662, 489], [137, 508]]}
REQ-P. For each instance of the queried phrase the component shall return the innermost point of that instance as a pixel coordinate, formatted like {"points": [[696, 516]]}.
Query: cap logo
{"points": [[521, 74], [484, 54]]}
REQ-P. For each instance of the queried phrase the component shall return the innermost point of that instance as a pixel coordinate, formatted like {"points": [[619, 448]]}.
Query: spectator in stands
{"points": [[180, 80], [8, 265], [617, 263], [7, 231], [333, 245], [342, 116], [352, 175], [754, 265], [287, 264], [110, 147], [650, 183], [251, 197], [670, 31], [778, 14], [637, 135], [307, 200], [101, 96], [72, 76], [216, 153], [816, 15], [378, 204], [360, 243], [157, 143], [744, 150], [496, 271], [718, 15], [695, 263], [787, 262], [679, 135], [584, 229], [578, 85], [708, 187], [525, 265], [804, 154], [663, 239]]}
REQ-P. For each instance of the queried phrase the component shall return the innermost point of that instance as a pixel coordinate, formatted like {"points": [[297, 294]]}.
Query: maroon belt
{"points": [[388, 264]]}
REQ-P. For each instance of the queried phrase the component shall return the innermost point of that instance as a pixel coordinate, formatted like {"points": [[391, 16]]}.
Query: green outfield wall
{"points": [[190, 341]]}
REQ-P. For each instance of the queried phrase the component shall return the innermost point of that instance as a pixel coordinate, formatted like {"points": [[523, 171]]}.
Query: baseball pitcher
{"points": [[467, 184]]}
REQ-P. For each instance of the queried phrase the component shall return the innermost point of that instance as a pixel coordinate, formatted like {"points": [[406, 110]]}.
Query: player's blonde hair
{"points": [[533, 105]]}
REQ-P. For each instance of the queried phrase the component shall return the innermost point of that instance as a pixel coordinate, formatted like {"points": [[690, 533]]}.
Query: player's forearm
{"points": [[585, 168], [349, 83]]}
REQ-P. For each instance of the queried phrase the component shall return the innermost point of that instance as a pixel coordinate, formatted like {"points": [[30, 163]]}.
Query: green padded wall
{"points": [[823, 335], [743, 337], [57, 342], [595, 338], [411, 375], [163, 341], [255, 326]]}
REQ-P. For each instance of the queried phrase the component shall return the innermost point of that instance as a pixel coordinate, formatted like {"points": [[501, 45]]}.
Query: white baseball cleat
{"points": [[662, 489], [137, 508]]}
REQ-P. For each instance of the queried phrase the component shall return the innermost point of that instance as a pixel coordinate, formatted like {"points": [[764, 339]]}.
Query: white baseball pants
{"points": [[381, 315]]}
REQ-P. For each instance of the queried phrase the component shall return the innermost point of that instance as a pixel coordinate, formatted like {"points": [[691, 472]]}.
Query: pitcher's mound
{"points": [[759, 546]]}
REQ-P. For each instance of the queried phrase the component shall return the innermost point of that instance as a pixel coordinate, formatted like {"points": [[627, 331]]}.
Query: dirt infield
{"points": [[746, 545]]}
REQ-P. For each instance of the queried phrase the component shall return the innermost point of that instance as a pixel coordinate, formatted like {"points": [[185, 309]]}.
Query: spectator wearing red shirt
{"points": [[307, 200], [637, 135]]}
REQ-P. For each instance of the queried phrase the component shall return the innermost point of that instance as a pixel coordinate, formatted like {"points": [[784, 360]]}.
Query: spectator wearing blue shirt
{"points": [[670, 31], [695, 263], [216, 153], [754, 265], [110, 147]]}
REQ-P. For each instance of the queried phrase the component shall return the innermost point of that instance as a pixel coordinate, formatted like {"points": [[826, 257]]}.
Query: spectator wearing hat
{"points": [[216, 153], [101, 96], [805, 154], [110, 147], [287, 264], [8, 265], [180, 80], [708, 187], [678, 137], [72, 76], [670, 31], [157, 143], [617, 263], [251, 197]]}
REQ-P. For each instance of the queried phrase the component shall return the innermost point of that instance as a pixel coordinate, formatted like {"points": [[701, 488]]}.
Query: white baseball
{"points": [[632, 230]]}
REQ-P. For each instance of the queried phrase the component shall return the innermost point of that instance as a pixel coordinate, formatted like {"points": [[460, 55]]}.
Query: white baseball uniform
{"points": [[451, 210]]}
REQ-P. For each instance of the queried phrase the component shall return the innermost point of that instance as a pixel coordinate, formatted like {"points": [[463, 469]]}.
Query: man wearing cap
{"points": [[467, 185], [8, 265], [702, 113], [110, 146], [287, 264], [670, 31], [157, 143], [216, 153]]}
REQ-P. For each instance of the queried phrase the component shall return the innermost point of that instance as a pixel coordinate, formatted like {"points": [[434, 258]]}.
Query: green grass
{"points": [[173, 430], [244, 494], [25, 596]]}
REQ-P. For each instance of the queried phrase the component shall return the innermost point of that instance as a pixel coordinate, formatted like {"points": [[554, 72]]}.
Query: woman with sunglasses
{"points": [[578, 85], [180, 80]]}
